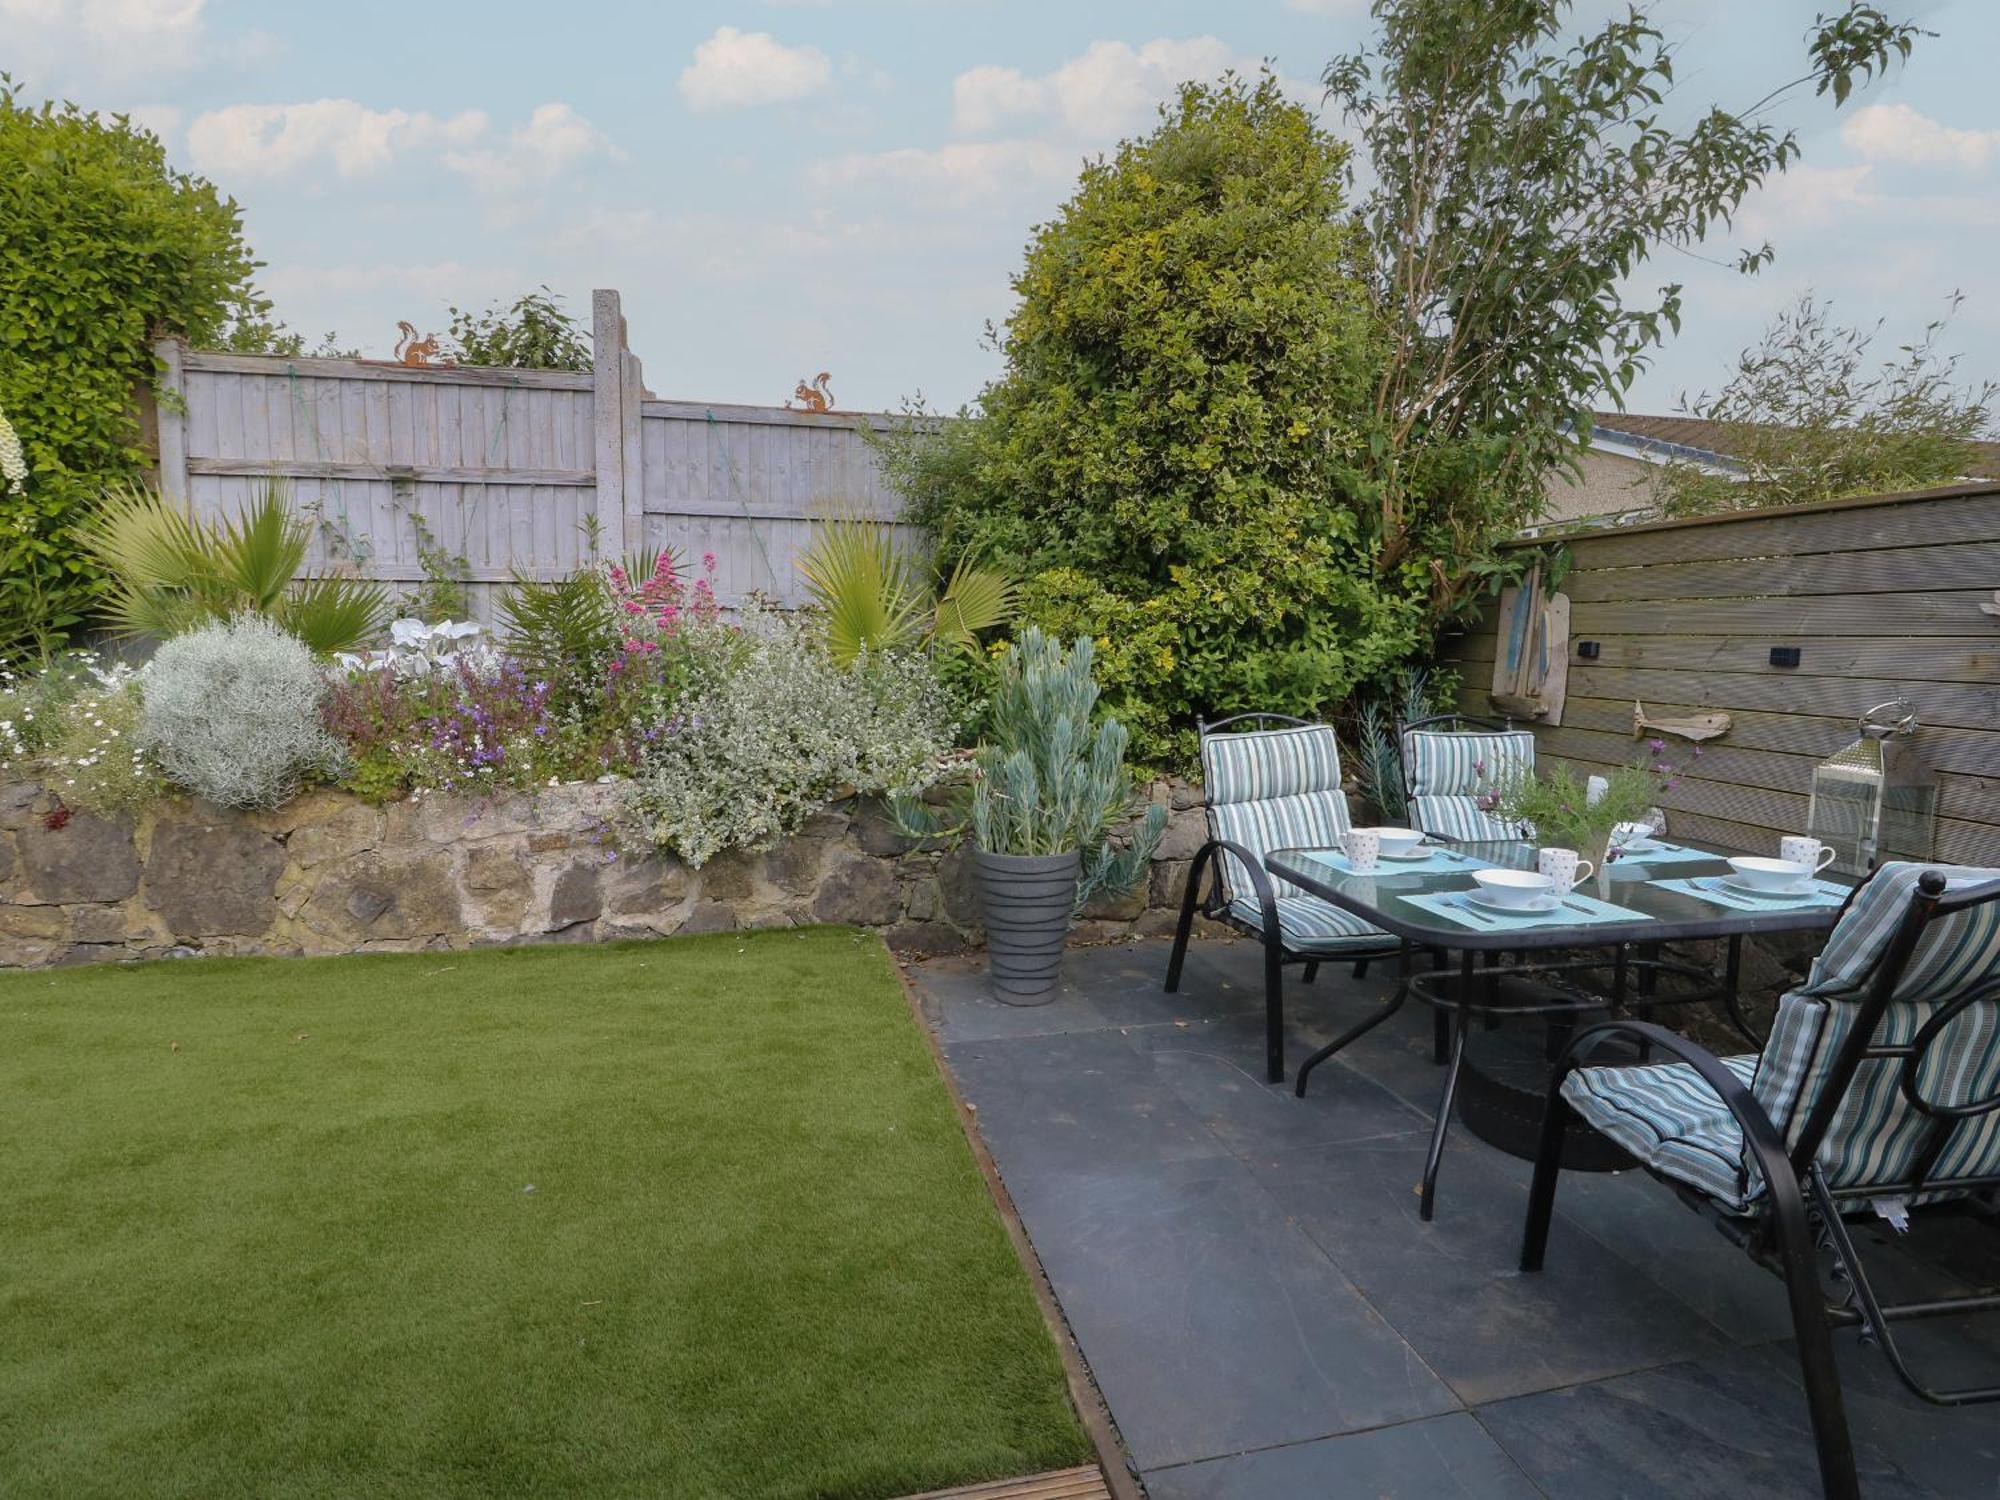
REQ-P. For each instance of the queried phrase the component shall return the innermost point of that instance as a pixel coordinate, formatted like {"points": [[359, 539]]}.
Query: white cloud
{"points": [[736, 68], [555, 138], [275, 141], [64, 41], [1807, 197], [1110, 89], [280, 140], [1899, 134], [990, 173], [1329, 7]]}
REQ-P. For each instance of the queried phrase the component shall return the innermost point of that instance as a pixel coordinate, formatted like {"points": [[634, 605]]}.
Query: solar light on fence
{"points": [[1877, 799]]}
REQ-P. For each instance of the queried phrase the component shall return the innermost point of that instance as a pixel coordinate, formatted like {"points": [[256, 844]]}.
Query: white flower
{"points": [[13, 462]]}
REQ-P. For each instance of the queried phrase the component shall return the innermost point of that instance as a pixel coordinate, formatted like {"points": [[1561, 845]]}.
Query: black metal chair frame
{"points": [[1217, 909], [1801, 1214]]}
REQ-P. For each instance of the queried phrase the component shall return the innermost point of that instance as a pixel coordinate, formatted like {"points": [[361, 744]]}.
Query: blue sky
{"points": [[780, 188]]}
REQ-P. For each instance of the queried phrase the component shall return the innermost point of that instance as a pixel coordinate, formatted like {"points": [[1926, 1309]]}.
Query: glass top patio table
{"points": [[1382, 897]]}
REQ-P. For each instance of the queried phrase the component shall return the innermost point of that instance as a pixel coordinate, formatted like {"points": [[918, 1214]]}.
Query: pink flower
{"points": [[708, 561], [618, 577]]}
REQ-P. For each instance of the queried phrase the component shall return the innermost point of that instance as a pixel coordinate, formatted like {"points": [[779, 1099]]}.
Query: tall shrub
{"points": [[1168, 459], [102, 246]]}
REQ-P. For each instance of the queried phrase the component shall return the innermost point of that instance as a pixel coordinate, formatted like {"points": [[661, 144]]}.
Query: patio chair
{"points": [[1879, 1085], [1442, 773], [1272, 788]]}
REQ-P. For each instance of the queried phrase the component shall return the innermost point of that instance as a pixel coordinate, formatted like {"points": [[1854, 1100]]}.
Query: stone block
{"points": [[576, 896], [8, 863], [793, 865], [1168, 882], [388, 894], [958, 888], [925, 937], [860, 891], [727, 877], [1187, 831], [31, 935], [709, 916], [87, 859], [644, 884], [342, 830], [210, 879], [1117, 906]]}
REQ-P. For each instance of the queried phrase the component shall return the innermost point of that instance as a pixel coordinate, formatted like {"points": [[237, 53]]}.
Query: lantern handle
{"points": [[1906, 724]]}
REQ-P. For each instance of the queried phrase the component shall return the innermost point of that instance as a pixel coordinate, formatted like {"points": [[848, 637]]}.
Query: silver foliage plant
{"points": [[231, 712], [1052, 777], [762, 741]]}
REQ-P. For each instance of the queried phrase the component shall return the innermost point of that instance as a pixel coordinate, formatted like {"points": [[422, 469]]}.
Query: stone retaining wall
{"points": [[330, 874]]}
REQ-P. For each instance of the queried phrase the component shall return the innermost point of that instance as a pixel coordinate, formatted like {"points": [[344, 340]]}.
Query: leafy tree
{"points": [[102, 246], [1521, 180], [1809, 415], [1168, 461], [535, 333]]}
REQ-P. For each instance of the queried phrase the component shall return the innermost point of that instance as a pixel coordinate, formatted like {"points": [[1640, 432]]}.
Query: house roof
{"points": [[1696, 438]]}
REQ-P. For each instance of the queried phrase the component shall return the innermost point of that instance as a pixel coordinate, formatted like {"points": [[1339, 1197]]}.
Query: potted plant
{"points": [[1556, 808], [1044, 794]]}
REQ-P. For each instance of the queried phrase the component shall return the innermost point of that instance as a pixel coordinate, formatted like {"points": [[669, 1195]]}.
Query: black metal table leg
{"points": [[1427, 1198]]}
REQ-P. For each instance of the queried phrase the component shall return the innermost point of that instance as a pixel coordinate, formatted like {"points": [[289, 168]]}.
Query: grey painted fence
{"points": [[508, 469]]}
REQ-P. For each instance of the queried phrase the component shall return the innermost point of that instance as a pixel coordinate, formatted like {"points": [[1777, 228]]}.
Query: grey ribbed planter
{"points": [[1028, 900]]}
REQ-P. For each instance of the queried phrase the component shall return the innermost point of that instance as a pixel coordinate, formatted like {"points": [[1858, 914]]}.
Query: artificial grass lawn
{"points": [[682, 1218]]}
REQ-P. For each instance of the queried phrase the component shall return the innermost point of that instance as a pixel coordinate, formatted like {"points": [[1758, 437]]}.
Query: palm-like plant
{"points": [[171, 572], [878, 596]]}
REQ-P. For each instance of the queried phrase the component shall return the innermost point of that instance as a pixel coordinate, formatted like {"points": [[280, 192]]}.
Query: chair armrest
{"points": [[1260, 880], [1764, 1140]]}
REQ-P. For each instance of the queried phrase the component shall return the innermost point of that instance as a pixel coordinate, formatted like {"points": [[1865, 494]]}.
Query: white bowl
{"points": [[1514, 887], [1770, 874], [1397, 840]]}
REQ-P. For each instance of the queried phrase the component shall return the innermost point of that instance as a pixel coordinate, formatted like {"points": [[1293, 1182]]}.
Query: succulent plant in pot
{"points": [[1047, 795]]}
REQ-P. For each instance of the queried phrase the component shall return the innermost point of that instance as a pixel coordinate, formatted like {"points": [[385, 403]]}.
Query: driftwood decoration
{"points": [[813, 395], [1994, 607], [1697, 727], [1531, 659]]}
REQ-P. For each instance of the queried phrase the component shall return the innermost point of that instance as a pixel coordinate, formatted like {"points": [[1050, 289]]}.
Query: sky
{"points": [[779, 187]]}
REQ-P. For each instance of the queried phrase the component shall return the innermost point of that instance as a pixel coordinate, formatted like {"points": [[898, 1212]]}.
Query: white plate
{"points": [[1738, 883], [1422, 851], [1640, 846], [1516, 908]]}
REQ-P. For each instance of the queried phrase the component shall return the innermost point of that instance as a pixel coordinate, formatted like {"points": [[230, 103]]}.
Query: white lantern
{"points": [[1877, 799]]}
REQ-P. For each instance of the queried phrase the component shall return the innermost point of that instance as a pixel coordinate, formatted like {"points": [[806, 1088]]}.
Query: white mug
{"points": [[1810, 852], [1362, 846], [1563, 867]]}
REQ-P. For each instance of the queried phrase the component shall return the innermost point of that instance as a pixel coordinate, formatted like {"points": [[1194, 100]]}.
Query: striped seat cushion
{"points": [[1877, 1134], [1310, 925], [1666, 1117], [1273, 789]]}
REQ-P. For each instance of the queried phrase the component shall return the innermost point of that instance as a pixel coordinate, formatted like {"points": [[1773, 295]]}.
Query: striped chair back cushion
{"points": [[1458, 818], [1272, 789], [1878, 1134], [1448, 770]]}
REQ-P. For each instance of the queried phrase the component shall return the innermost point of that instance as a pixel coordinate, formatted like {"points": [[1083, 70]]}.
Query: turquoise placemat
{"points": [[1710, 889], [1576, 911], [1435, 862], [1666, 854]]}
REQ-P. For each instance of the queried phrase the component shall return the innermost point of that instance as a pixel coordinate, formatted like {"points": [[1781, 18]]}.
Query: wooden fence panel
{"points": [[514, 470], [1881, 596]]}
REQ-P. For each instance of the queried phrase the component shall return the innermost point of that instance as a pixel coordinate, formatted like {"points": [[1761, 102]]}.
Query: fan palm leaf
{"points": [[868, 587]]}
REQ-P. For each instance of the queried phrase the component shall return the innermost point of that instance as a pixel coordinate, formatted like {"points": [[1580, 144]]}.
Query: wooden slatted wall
{"points": [[1880, 595]]}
